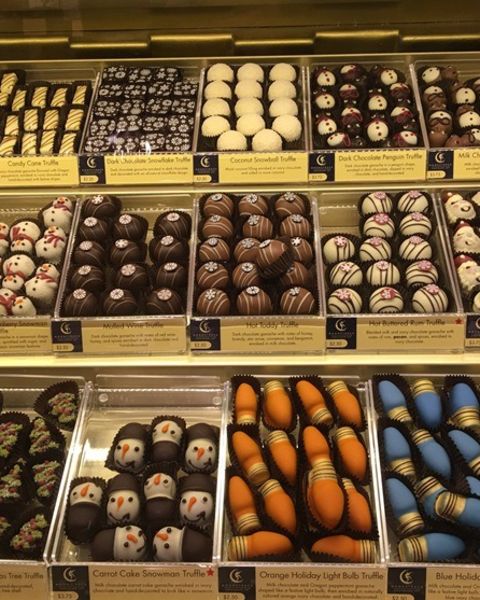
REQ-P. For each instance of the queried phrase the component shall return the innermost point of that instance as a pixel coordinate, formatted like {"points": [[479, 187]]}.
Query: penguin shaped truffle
{"points": [[160, 491], [201, 451], [84, 508], [197, 494], [173, 545], [167, 438], [125, 544], [123, 504], [128, 452]]}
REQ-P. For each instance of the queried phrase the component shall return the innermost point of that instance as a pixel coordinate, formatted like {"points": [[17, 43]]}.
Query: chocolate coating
{"points": [[252, 204], [295, 226], [218, 204], [82, 522], [175, 223], [89, 278], [246, 250], [171, 274], [214, 249], [254, 301], [213, 303], [131, 277], [297, 301], [245, 275], [80, 303], [129, 227], [126, 251], [274, 258], [297, 274], [89, 253], [92, 228], [164, 301], [212, 275], [259, 227], [102, 207], [217, 226], [119, 303], [302, 250], [289, 204], [167, 249]]}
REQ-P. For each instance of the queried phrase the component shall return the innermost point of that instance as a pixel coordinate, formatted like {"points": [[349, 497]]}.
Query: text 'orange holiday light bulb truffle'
{"points": [[242, 505], [359, 513], [315, 444], [250, 458], [352, 452], [325, 497], [283, 454], [346, 403], [314, 403], [278, 505], [277, 406], [245, 405], [261, 543], [345, 547]]}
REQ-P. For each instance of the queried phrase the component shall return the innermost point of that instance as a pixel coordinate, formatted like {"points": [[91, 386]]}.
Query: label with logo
{"points": [[452, 583], [394, 164], [38, 171], [321, 167], [466, 164], [341, 333], [25, 582], [141, 169], [276, 335], [152, 582], [67, 336], [92, 169], [70, 582], [263, 167], [25, 336], [440, 164], [473, 331], [236, 583], [205, 168], [405, 583]]}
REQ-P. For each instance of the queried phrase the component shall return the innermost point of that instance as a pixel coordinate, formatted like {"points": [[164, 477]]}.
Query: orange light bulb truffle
{"points": [[325, 497], [314, 403], [277, 406], [347, 548], [242, 505], [283, 454], [346, 403], [359, 513], [245, 405], [278, 505], [250, 458], [261, 543], [352, 452], [315, 444]]}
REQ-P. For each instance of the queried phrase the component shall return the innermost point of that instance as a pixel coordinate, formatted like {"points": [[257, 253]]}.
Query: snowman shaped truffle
{"points": [[25, 230], [123, 544], [197, 492], [171, 544], [128, 452], [201, 450], [167, 438], [84, 509], [160, 491], [123, 499]]}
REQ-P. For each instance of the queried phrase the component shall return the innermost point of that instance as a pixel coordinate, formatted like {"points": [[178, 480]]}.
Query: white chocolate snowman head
{"points": [[23, 307], [25, 229], [21, 245], [123, 506], [196, 508], [160, 485], [19, 263], [129, 450], [129, 544], [431, 75], [87, 491], [466, 240], [57, 216], [63, 202], [167, 544], [4, 229], [56, 231], [201, 454], [50, 248], [469, 274], [167, 431], [388, 76], [13, 282], [458, 208], [47, 270], [41, 290], [7, 298]]}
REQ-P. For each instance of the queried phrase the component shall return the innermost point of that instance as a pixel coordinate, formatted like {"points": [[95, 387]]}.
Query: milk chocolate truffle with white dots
{"points": [[213, 303], [167, 249], [171, 274], [119, 303], [164, 301], [252, 204], [214, 249], [175, 223], [218, 204]]}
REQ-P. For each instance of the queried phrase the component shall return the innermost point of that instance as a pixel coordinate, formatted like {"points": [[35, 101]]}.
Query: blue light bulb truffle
{"points": [[434, 454], [468, 447], [427, 491], [397, 452], [428, 403], [431, 547], [458, 509], [463, 406], [404, 507], [474, 485], [393, 401]]}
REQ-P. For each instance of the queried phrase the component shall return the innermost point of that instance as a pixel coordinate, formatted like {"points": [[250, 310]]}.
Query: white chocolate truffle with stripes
{"points": [[380, 224], [415, 223], [385, 300], [383, 273], [415, 248], [376, 202], [421, 272], [338, 248], [375, 248], [346, 273], [430, 299], [344, 301]]}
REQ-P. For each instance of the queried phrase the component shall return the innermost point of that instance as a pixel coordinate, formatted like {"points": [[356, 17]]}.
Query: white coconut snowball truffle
{"points": [[216, 106], [250, 124], [267, 140], [289, 127], [283, 106], [248, 88], [283, 71], [248, 106], [250, 71], [218, 89], [220, 72], [214, 126], [281, 89], [231, 141]]}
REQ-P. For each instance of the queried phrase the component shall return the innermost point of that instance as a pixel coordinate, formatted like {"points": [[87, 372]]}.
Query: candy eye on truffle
{"points": [[130, 499], [169, 530], [167, 546], [137, 449], [204, 499], [126, 544]]}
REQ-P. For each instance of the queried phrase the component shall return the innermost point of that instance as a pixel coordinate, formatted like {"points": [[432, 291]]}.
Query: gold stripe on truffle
{"points": [[413, 549], [47, 142], [422, 385], [475, 465], [248, 523], [39, 99], [410, 523], [403, 466], [8, 82], [79, 96], [323, 469], [237, 548], [50, 120], [30, 120], [449, 506], [67, 145], [4, 98], [29, 144], [419, 436], [11, 125], [400, 413], [258, 473], [274, 384], [19, 100], [59, 97], [74, 119], [336, 386], [425, 487], [277, 436], [468, 416], [269, 486], [368, 551], [7, 145], [344, 433]]}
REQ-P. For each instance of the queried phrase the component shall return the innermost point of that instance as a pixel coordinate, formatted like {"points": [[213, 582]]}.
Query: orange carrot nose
{"points": [[162, 536], [157, 478], [84, 490], [191, 502], [200, 453], [132, 538], [165, 428], [120, 501], [125, 449]]}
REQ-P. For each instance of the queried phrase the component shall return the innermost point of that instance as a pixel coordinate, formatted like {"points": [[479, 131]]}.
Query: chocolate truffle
{"points": [[421, 272], [430, 298], [415, 248], [160, 492], [415, 223], [102, 207], [123, 499], [246, 274], [89, 253], [131, 277], [125, 251], [379, 225], [214, 249], [92, 228], [258, 227], [246, 250], [337, 248], [297, 301], [344, 301], [217, 226], [346, 274], [274, 258], [218, 204], [295, 226], [302, 250], [296, 275], [254, 301], [413, 201], [129, 227], [213, 303], [252, 204], [197, 494], [383, 272], [175, 545], [174, 223], [385, 300], [128, 451], [119, 303], [290, 204], [123, 544], [89, 278], [171, 274], [201, 448], [212, 275], [376, 202], [84, 509], [167, 249], [167, 438], [80, 303], [164, 301]]}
